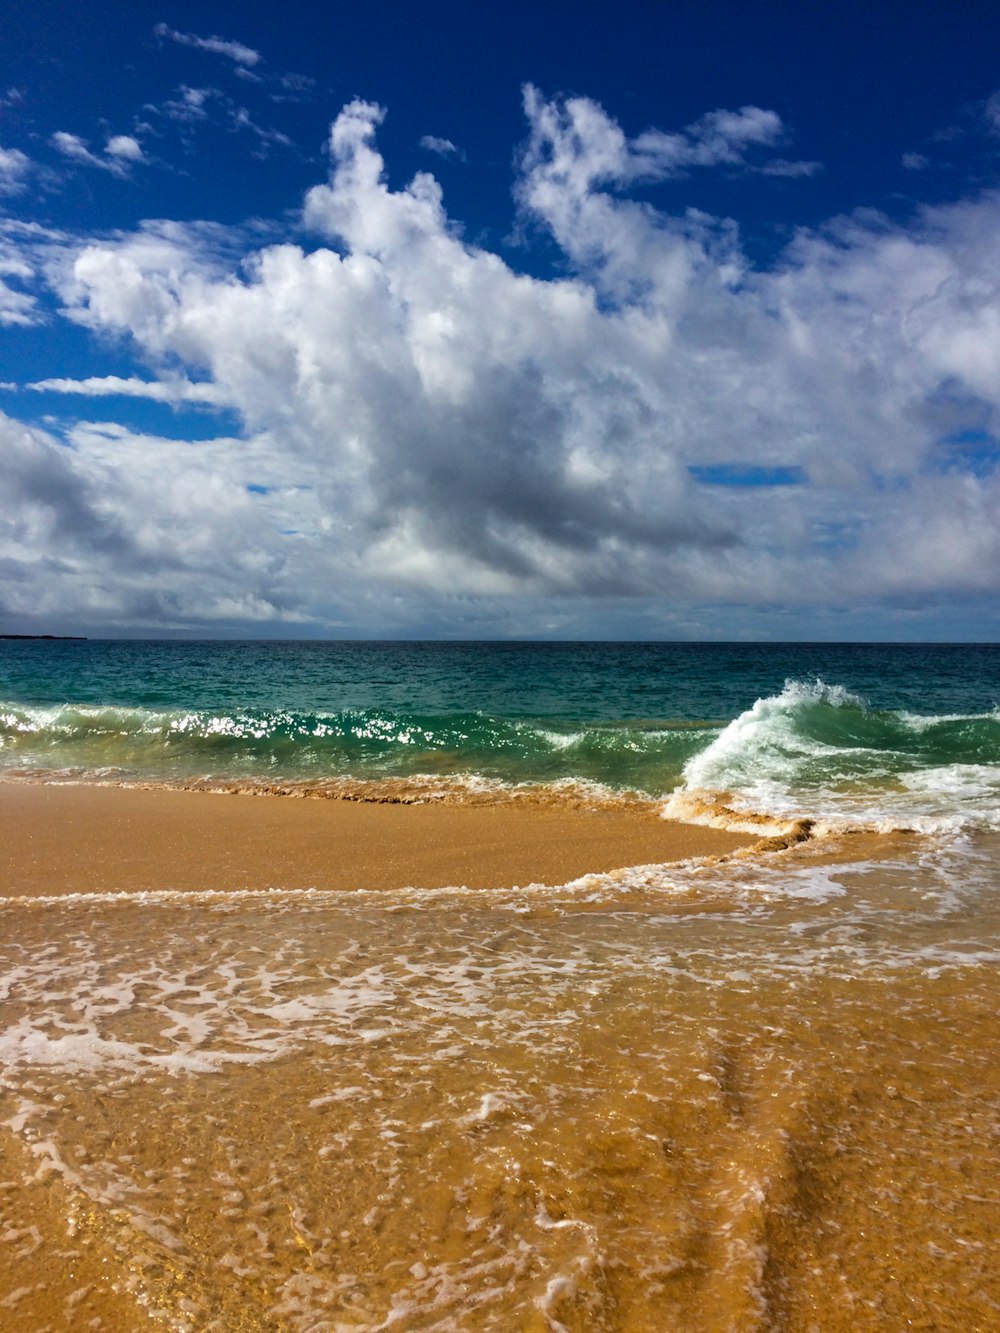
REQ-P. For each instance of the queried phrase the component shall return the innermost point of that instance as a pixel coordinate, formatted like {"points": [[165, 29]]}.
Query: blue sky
{"points": [[560, 320]]}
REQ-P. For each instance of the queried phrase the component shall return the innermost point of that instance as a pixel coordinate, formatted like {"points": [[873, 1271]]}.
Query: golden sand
{"points": [[61, 838], [702, 1098]]}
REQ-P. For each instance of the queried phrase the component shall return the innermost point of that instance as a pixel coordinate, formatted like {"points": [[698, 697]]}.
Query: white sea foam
{"points": [[766, 746], [492, 1105], [561, 740], [921, 723]]}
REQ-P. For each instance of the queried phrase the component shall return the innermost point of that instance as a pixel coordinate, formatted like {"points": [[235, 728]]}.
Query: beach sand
{"points": [[690, 1100], [62, 838]]}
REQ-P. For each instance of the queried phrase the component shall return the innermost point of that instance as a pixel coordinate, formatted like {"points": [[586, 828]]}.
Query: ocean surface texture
{"points": [[755, 1093]]}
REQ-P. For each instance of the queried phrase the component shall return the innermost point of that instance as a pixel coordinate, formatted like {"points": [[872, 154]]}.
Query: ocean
{"points": [[913, 731], [750, 1092]]}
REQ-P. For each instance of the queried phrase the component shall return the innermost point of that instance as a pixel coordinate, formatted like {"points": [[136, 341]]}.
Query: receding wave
{"points": [[819, 748]]}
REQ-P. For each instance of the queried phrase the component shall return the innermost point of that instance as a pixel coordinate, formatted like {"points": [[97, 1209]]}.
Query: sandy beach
{"points": [[678, 1097], [82, 839], [421, 1017]]}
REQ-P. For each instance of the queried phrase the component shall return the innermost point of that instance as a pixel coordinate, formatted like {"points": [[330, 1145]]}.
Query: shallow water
{"points": [[730, 1097]]}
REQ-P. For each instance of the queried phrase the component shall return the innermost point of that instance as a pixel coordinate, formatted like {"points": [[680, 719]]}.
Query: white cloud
{"points": [[293, 88], [173, 391], [240, 119], [779, 166], [236, 51], [71, 145], [575, 143], [125, 530], [443, 147], [195, 106], [425, 422], [120, 151], [124, 146], [17, 306], [190, 106], [14, 167]]}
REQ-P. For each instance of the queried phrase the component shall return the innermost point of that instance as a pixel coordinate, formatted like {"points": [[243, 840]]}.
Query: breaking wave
{"points": [[820, 749]]}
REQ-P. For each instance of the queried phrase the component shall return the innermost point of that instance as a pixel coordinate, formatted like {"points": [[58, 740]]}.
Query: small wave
{"points": [[249, 744]]}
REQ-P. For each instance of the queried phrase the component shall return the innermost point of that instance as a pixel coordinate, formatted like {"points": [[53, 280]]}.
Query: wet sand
{"points": [[718, 1097], [62, 838]]}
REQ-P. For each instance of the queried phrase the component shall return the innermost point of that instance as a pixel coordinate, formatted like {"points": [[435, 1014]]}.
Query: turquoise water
{"points": [[881, 732]]}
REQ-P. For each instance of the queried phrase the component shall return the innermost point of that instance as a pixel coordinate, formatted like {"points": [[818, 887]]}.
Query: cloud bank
{"points": [[661, 439]]}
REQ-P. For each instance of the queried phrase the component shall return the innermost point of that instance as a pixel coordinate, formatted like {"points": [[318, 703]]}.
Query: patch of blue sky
{"points": [[746, 475], [57, 347], [975, 451], [58, 412]]}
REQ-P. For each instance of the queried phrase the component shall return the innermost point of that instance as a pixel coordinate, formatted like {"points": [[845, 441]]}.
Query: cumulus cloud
{"points": [[573, 143], [189, 106], [664, 422], [71, 145], [123, 530], [17, 306], [235, 51], [52, 508]]}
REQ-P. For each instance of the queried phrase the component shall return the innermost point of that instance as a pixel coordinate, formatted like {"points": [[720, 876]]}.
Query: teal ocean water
{"points": [[904, 734]]}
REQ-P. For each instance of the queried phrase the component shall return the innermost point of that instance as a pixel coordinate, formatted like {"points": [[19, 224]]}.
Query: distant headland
{"points": [[76, 637]]}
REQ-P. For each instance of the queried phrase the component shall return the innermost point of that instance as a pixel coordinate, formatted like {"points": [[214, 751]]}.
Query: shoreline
{"points": [[65, 838]]}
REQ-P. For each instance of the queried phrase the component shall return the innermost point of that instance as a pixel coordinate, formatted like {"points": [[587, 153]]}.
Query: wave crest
{"points": [[823, 749]]}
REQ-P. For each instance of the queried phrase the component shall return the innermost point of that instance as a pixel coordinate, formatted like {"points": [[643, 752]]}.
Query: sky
{"points": [[556, 320]]}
